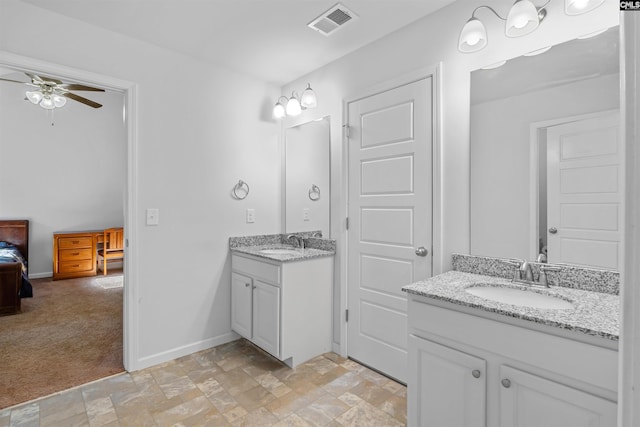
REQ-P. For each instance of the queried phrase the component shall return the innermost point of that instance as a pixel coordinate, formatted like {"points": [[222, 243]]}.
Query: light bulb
{"points": [[279, 111], [47, 103], [34, 97], [293, 106], [58, 100], [308, 98]]}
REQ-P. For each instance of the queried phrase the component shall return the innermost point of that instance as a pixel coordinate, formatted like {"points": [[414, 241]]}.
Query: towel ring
{"points": [[243, 189], [314, 193]]}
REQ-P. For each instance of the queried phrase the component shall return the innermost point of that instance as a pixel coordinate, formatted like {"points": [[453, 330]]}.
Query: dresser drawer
{"points": [[75, 242], [75, 254], [76, 266], [259, 269]]}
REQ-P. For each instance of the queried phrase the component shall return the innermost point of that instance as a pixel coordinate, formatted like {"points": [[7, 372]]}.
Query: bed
{"points": [[14, 256]]}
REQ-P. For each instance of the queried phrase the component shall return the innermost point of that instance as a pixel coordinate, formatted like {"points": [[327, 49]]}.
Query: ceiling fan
{"points": [[51, 93]]}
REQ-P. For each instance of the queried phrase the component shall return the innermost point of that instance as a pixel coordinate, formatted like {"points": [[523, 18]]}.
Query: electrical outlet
{"points": [[251, 216], [153, 216], [305, 214]]}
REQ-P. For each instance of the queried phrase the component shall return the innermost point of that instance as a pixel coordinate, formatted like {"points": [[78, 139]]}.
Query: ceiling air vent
{"points": [[332, 20]]}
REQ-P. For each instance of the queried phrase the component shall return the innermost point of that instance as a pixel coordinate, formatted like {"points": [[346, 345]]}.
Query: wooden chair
{"points": [[112, 247]]}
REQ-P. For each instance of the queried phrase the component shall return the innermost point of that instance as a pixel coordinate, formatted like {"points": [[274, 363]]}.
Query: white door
{"points": [[266, 317], [448, 388], [241, 312], [584, 194], [389, 236], [530, 401]]}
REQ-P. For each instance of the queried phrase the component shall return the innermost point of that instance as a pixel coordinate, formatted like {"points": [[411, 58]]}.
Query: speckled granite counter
{"points": [[254, 245], [594, 313]]}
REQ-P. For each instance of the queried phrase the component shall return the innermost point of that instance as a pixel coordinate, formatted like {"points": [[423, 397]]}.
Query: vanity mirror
{"points": [[546, 157], [307, 177]]}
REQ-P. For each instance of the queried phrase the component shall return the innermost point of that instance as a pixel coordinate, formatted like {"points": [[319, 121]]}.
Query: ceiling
{"points": [[268, 39], [568, 62]]}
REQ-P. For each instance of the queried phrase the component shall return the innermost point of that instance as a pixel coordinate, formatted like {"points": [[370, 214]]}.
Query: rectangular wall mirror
{"points": [[307, 177], [546, 156]]}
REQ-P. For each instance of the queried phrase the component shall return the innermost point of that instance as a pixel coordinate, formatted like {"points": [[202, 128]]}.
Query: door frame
{"points": [[536, 129], [437, 249], [130, 92]]}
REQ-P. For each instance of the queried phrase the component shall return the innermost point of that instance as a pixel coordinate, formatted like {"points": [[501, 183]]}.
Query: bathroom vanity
{"points": [[480, 362], [281, 299]]}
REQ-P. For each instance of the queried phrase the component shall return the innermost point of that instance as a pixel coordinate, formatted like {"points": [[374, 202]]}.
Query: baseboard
{"points": [[175, 353], [40, 275]]}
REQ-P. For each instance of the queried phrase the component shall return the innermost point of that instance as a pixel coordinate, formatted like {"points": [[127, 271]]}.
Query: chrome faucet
{"points": [[524, 273], [298, 238]]}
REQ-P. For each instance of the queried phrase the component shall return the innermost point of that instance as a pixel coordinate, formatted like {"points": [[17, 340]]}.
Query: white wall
{"points": [[70, 176], [500, 159], [425, 43], [200, 129]]}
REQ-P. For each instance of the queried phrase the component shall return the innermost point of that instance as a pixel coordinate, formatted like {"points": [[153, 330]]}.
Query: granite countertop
{"points": [[301, 254], [594, 313]]}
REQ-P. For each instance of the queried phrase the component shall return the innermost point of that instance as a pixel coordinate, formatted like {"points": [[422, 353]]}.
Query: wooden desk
{"points": [[74, 253]]}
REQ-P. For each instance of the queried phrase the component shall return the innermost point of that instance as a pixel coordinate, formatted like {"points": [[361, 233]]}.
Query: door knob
{"points": [[475, 373], [553, 230], [422, 251], [506, 383]]}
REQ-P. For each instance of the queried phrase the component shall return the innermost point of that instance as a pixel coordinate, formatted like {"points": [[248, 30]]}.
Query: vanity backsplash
{"points": [[281, 239], [569, 276]]}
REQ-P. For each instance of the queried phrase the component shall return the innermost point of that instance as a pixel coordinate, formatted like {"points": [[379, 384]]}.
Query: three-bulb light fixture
{"points": [[523, 18], [46, 99], [294, 106]]}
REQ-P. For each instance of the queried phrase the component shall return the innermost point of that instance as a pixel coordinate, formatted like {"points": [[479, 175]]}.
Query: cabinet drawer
{"points": [[259, 269], [76, 266], [75, 242], [75, 254]]}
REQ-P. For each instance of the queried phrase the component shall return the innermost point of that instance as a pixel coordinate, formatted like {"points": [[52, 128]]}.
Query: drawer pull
{"points": [[75, 242], [76, 265], [475, 373], [506, 383], [76, 253]]}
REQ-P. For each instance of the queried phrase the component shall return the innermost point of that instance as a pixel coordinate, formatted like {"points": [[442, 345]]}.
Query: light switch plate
{"points": [[153, 216], [251, 216], [305, 214]]}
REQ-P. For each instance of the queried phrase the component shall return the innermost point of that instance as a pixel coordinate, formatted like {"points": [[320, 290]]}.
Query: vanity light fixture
{"points": [[294, 105], [537, 51], [523, 18]]}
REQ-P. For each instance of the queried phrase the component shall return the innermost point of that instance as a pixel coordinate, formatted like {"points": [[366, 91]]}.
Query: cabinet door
{"points": [[528, 400], [266, 317], [447, 388], [241, 304]]}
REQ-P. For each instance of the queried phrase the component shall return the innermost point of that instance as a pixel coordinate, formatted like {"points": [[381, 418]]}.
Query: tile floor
{"points": [[234, 384]]}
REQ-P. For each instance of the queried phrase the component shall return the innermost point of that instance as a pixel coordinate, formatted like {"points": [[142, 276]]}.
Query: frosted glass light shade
{"points": [[279, 111], [58, 100], [34, 97], [47, 103], [522, 19], [293, 106], [576, 7], [473, 36], [308, 98]]}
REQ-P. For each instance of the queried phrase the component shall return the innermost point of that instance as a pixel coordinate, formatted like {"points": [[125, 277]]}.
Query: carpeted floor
{"points": [[68, 334]]}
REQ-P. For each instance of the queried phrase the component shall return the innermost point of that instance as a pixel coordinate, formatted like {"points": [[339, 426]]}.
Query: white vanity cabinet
{"points": [[469, 370], [283, 307]]}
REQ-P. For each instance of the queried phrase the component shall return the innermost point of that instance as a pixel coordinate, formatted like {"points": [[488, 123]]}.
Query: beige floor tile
{"points": [[235, 384]]}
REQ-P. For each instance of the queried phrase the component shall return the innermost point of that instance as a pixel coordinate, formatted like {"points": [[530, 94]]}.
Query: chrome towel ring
{"points": [[241, 190], [314, 193]]}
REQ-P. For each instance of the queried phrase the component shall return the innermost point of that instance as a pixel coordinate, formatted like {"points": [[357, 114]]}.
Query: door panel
{"points": [[390, 134], [266, 317], [241, 310], [584, 192]]}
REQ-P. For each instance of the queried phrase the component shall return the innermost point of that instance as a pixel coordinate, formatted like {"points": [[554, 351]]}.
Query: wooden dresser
{"points": [[74, 254]]}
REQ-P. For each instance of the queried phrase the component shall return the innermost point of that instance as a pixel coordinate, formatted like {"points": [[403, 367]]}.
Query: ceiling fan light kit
{"points": [[294, 105], [523, 18]]}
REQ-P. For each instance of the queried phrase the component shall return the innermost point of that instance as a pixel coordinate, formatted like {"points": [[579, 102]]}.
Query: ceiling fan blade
{"points": [[14, 81], [34, 78], [82, 100], [72, 86]]}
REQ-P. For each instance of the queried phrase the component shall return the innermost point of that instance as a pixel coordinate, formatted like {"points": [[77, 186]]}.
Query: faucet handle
{"points": [[517, 263], [544, 279]]}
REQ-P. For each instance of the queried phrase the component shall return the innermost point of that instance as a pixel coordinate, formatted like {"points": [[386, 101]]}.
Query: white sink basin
{"points": [[520, 297], [280, 252]]}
